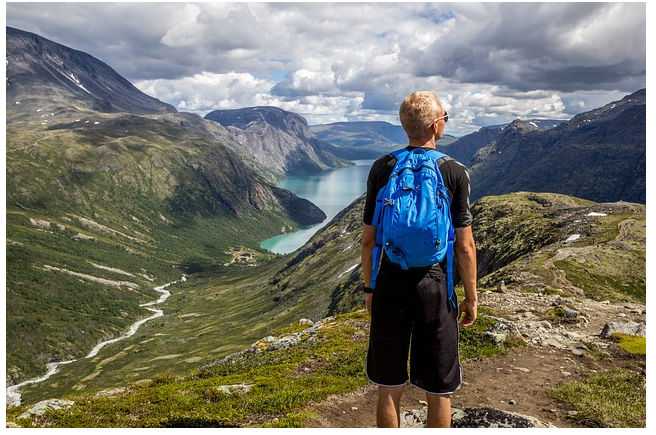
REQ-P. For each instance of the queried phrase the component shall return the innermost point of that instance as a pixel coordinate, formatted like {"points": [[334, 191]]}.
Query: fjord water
{"points": [[331, 191]]}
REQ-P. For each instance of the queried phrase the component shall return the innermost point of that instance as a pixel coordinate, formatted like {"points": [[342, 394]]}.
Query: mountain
{"points": [[361, 134], [371, 138], [464, 149], [518, 229], [110, 193], [276, 140], [52, 78], [103, 206], [555, 253], [598, 155]]}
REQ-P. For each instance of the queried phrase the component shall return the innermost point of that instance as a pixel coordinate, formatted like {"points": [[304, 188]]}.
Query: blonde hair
{"points": [[418, 111]]}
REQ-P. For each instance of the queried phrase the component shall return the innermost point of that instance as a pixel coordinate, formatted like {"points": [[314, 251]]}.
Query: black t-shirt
{"points": [[456, 181]]}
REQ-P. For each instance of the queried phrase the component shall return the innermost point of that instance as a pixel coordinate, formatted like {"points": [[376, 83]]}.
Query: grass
{"points": [[611, 399], [606, 263], [219, 311], [282, 384], [146, 210], [633, 344]]}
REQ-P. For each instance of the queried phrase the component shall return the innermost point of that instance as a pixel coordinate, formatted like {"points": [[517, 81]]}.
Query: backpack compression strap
{"points": [[449, 252], [449, 267], [378, 216]]}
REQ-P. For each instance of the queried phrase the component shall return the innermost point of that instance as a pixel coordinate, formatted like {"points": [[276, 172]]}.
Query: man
{"points": [[412, 305]]}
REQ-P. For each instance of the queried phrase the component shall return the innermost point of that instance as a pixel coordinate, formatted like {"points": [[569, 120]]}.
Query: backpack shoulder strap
{"points": [[437, 155], [399, 154]]}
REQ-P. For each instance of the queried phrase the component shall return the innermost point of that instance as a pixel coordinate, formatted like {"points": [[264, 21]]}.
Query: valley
{"points": [[134, 231], [527, 307]]}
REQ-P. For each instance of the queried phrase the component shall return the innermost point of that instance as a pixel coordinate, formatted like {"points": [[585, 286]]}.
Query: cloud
{"points": [[558, 46], [204, 92], [339, 61]]}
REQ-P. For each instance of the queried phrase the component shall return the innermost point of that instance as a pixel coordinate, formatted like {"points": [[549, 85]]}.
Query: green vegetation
{"points": [[633, 344], [95, 222], [522, 240], [267, 388], [475, 345], [96, 217], [614, 398]]}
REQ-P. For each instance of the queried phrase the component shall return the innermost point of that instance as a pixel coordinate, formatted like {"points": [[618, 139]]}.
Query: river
{"points": [[331, 191], [13, 393]]}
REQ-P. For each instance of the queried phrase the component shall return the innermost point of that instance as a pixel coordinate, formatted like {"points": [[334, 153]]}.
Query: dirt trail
{"points": [[521, 380]]}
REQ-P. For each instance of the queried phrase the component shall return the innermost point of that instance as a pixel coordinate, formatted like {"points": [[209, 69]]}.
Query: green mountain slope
{"points": [[558, 243], [521, 240], [144, 195], [170, 373]]}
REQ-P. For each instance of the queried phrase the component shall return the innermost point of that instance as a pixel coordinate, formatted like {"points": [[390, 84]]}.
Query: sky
{"points": [[488, 63]]}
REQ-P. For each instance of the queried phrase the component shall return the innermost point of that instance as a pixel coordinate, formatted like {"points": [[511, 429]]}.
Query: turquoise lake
{"points": [[331, 191]]}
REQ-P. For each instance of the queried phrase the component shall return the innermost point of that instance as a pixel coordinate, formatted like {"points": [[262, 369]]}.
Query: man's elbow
{"points": [[368, 237], [464, 244]]}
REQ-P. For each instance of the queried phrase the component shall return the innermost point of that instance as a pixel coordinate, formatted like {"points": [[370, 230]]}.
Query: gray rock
{"points": [[630, 328], [494, 418], [498, 338], [474, 417], [46, 405], [570, 313]]}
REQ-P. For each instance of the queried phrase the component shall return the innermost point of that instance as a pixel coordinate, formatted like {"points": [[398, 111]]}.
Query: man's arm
{"points": [[368, 243], [465, 250]]}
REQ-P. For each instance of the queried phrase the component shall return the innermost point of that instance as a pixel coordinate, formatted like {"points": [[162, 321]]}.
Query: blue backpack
{"points": [[413, 215]]}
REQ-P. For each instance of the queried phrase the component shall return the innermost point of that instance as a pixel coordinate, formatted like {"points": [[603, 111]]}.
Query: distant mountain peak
{"points": [[277, 139], [522, 126], [599, 155], [42, 74]]}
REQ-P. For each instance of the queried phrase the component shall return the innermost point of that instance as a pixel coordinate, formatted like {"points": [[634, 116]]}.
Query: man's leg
{"points": [[388, 413], [439, 410]]}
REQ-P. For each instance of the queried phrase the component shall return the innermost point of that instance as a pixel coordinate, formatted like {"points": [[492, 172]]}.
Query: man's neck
{"points": [[415, 143]]}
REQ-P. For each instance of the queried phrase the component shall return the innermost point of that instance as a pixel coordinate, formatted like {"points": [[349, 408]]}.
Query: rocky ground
{"points": [[514, 389], [520, 381]]}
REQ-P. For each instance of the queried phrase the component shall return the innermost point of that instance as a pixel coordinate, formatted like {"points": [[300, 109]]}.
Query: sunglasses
{"points": [[445, 117]]}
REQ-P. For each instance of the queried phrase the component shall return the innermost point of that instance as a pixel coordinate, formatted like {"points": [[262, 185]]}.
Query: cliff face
{"points": [[280, 142], [598, 155]]}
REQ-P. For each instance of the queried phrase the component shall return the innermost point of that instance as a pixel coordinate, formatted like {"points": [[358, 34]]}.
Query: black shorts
{"points": [[411, 307]]}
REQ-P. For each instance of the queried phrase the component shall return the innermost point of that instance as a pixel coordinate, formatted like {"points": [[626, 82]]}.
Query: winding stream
{"points": [[13, 392]]}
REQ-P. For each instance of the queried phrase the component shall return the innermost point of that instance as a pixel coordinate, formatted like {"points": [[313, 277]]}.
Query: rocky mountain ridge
{"points": [[599, 155], [515, 390], [277, 140], [57, 79], [516, 235]]}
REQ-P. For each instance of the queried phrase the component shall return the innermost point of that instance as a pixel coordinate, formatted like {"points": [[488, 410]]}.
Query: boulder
{"points": [[630, 328]]}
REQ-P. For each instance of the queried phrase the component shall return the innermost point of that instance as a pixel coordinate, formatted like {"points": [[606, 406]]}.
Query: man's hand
{"points": [[467, 312], [368, 297], [465, 250]]}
